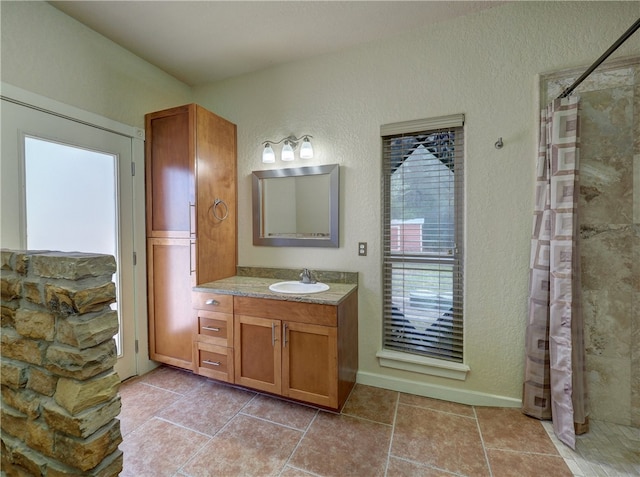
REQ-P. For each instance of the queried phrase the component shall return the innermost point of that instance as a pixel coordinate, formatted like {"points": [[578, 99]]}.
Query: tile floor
{"points": [[607, 450], [178, 424]]}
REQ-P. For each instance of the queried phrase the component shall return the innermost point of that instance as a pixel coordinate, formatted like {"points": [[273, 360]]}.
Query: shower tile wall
{"points": [[609, 211]]}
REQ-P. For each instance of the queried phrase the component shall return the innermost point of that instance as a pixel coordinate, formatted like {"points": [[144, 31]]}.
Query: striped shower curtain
{"points": [[554, 384]]}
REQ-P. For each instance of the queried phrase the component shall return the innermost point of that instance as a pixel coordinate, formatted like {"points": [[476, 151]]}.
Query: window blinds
{"points": [[423, 237]]}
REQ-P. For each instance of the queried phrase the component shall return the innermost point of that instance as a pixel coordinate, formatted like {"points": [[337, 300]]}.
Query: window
{"points": [[423, 237]]}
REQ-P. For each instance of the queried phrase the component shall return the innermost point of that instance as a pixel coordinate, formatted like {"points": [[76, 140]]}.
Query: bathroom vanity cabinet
{"points": [[190, 162], [299, 350], [302, 351]]}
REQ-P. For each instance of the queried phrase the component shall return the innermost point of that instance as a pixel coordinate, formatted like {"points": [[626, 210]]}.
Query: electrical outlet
{"points": [[362, 248]]}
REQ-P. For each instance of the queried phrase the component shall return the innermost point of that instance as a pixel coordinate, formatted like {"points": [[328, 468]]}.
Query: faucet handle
{"points": [[306, 276]]}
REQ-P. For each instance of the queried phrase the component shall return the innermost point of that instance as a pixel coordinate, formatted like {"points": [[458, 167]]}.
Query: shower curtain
{"points": [[555, 378]]}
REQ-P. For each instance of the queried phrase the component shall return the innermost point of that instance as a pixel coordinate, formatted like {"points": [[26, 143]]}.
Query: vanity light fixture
{"points": [[290, 145], [268, 155]]}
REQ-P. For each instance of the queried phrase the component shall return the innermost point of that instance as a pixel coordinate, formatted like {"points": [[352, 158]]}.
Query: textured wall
{"points": [[485, 66], [609, 212], [46, 52]]}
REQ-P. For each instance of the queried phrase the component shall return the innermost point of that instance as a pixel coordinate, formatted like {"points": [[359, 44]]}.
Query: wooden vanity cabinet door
{"points": [[169, 282], [170, 172], [257, 353], [310, 363]]}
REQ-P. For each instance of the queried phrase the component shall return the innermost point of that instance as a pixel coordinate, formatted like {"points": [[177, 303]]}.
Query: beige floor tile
{"points": [[437, 404], [158, 448], [508, 464], [338, 445], [375, 404], [402, 468], [280, 411], [439, 439], [208, 408], [173, 379], [510, 429], [293, 472], [245, 447], [140, 402]]}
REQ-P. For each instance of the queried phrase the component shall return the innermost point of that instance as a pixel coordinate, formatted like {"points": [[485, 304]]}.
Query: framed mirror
{"points": [[296, 207]]}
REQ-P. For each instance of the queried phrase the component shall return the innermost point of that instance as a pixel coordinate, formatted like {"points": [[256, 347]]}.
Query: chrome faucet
{"points": [[307, 277]]}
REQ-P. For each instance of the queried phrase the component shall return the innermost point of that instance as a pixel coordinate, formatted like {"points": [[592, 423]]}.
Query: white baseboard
{"points": [[472, 398]]}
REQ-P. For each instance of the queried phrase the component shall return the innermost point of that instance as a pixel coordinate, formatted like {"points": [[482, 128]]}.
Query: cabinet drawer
{"points": [[215, 328], [214, 361], [313, 313], [212, 302]]}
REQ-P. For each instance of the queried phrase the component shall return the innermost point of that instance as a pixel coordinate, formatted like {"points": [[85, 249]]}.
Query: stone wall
{"points": [[59, 389]]}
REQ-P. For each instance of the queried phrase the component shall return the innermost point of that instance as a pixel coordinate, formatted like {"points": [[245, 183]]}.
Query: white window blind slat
{"points": [[422, 237]]}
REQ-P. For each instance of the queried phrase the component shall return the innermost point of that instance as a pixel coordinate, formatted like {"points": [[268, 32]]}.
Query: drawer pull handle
{"points": [[212, 301], [210, 328], [273, 335], [211, 363]]}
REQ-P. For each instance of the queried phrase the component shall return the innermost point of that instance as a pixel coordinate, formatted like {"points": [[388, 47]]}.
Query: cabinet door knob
{"points": [[212, 363], [212, 301]]}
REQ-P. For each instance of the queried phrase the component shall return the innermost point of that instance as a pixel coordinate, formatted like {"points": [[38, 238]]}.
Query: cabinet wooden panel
{"points": [[316, 313], [310, 363], [170, 172], [191, 195], [169, 286], [214, 361], [216, 196], [257, 353]]}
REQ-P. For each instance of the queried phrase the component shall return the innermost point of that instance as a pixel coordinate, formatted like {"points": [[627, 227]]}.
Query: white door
{"points": [[74, 193]]}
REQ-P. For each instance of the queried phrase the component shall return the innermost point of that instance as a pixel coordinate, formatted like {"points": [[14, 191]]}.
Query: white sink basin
{"points": [[298, 287]]}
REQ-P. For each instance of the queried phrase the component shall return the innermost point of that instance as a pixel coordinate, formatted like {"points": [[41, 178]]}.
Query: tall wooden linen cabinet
{"points": [[191, 195]]}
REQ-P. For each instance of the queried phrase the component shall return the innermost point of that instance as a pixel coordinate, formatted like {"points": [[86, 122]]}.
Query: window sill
{"points": [[422, 364]]}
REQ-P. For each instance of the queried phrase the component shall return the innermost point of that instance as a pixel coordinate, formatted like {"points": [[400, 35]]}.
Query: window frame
{"points": [[424, 362]]}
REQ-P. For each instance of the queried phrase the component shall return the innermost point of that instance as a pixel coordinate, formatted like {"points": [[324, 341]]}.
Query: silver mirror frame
{"points": [[334, 197]]}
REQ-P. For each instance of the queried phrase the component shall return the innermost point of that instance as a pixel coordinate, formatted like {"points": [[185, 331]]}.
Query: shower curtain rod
{"points": [[604, 56]]}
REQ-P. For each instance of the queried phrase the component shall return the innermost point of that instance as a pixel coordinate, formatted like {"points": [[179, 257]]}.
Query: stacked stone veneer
{"points": [[59, 389]]}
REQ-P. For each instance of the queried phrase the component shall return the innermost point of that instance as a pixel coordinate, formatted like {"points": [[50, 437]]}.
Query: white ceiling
{"points": [[204, 41]]}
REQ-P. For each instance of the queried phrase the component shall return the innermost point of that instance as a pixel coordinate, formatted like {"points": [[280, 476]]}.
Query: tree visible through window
{"points": [[423, 242]]}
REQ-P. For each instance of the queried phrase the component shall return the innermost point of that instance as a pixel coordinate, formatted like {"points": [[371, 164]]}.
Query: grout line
{"points": [[162, 389], [360, 418], [484, 447], [208, 436], [181, 470], [264, 419], [304, 433], [422, 465], [226, 424], [441, 411], [393, 430]]}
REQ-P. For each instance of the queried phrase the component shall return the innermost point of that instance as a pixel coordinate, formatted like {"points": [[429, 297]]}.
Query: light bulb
{"points": [[268, 155], [306, 150], [287, 152]]}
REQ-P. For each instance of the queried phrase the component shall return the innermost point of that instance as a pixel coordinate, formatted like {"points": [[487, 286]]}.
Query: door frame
{"points": [[35, 101]]}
